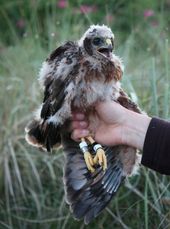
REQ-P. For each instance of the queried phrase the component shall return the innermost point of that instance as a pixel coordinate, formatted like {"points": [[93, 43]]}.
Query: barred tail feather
{"points": [[42, 135]]}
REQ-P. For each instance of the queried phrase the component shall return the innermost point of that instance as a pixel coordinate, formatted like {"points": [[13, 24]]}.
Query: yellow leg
{"points": [[91, 140], [100, 156], [87, 156]]}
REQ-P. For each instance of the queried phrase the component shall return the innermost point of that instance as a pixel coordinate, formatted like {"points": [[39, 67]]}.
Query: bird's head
{"points": [[98, 39]]}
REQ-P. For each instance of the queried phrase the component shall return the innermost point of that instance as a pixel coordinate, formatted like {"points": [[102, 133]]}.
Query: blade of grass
{"points": [[33, 166], [166, 90], [16, 168], [146, 202], [154, 88], [118, 219]]}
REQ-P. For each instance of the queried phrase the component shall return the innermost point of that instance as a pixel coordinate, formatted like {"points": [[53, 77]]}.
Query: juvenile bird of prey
{"points": [[75, 76]]}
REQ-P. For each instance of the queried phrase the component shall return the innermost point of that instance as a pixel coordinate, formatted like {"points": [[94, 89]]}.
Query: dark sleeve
{"points": [[156, 151]]}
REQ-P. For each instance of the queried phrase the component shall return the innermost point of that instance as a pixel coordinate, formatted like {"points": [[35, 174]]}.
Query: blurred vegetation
{"points": [[31, 189]]}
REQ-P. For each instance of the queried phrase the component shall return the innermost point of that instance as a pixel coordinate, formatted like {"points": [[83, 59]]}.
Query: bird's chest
{"points": [[90, 93]]}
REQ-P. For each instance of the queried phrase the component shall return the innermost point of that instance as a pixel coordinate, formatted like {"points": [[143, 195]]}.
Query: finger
{"points": [[78, 133], [78, 116], [79, 125]]}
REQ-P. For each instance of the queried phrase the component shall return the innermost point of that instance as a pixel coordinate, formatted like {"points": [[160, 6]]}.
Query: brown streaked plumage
{"points": [[79, 74]]}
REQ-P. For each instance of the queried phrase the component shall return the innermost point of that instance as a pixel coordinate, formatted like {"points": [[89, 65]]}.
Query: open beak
{"points": [[107, 48]]}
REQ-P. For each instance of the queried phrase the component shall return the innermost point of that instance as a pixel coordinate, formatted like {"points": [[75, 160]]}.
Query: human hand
{"points": [[109, 124], [114, 125]]}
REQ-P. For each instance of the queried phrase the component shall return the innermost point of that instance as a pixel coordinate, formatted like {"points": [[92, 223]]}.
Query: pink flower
{"points": [[62, 4], [20, 23], [88, 9], [148, 13]]}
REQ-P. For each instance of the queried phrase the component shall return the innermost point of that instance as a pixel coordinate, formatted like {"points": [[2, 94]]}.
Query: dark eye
{"points": [[112, 42], [97, 40]]}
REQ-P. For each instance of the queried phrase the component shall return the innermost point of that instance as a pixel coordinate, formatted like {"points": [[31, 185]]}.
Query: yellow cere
{"points": [[108, 41]]}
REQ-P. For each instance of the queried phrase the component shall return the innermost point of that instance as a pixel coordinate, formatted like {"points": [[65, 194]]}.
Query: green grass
{"points": [[31, 188]]}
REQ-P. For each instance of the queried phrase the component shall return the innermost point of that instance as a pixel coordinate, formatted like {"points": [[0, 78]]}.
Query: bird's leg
{"points": [[87, 155], [100, 156]]}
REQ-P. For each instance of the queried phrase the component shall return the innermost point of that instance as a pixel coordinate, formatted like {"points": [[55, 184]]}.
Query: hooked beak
{"points": [[107, 48]]}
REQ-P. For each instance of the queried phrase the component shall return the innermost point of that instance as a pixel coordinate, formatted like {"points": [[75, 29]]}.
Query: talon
{"points": [[101, 158], [95, 159], [89, 161], [104, 162], [100, 154], [87, 156]]}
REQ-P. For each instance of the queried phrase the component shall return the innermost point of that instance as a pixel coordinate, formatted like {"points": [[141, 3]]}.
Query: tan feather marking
{"points": [[128, 158], [118, 73], [108, 70], [91, 74], [128, 155], [125, 101], [112, 72]]}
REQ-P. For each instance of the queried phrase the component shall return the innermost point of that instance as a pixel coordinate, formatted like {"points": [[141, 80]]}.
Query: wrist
{"points": [[135, 128]]}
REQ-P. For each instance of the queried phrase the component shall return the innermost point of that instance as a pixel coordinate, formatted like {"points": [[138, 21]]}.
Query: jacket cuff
{"points": [[156, 150]]}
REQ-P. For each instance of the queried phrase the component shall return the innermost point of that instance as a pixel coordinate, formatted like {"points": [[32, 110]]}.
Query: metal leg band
{"points": [[83, 146], [96, 147]]}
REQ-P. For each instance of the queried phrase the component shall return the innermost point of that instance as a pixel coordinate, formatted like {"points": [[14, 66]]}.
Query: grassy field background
{"points": [[31, 189]]}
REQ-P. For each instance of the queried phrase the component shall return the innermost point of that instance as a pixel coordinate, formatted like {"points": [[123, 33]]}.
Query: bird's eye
{"points": [[112, 42], [97, 40]]}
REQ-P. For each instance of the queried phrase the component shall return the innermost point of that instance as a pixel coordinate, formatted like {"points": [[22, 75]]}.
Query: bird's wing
{"points": [[88, 193], [129, 156], [54, 77], [126, 102]]}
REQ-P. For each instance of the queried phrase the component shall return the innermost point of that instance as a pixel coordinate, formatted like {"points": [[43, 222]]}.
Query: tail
{"points": [[89, 193], [42, 134]]}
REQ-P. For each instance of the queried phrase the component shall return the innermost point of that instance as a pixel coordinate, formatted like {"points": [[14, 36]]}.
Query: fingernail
{"points": [[80, 116], [83, 124], [84, 132]]}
